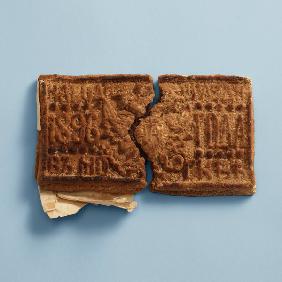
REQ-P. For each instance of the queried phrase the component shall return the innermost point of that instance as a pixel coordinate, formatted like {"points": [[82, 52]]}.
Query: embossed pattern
{"points": [[199, 137], [85, 141]]}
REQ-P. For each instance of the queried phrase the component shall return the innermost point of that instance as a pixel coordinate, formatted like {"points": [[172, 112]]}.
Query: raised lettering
{"points": [[239, 131]]}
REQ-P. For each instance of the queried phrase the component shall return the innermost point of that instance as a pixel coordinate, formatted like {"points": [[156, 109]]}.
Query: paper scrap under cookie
{"points": [[69, 203], [121, 201], [57, 207]]}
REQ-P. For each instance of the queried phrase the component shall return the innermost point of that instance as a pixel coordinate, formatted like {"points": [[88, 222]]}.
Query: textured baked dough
{"points": [[200, 136], [85, 138]]}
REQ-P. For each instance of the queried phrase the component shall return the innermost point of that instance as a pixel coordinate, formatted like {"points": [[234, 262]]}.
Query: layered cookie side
{"points": [[200, 136], [85, 141]]}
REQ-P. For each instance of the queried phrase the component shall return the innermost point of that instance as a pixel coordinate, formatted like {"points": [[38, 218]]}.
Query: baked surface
{"points": [[200, 136], [85, 138]]}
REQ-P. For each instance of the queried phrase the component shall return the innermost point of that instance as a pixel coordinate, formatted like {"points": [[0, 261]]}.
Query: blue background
{"points": [[166, 238]]}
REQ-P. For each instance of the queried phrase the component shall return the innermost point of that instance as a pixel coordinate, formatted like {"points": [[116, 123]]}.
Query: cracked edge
{"points": [[137, 121], [183, 78], [67, 203], [135, 124], [148, 111], [157, 98]]}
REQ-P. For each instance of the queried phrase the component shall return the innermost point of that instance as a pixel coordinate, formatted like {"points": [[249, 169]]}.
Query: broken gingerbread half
{"points": [[200, 136], [85, 138]]}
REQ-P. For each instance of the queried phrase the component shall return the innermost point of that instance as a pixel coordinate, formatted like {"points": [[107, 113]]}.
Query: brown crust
{"points": [[179, 107], [122, 175], [101, 78], [184, 78], [206, 189]]}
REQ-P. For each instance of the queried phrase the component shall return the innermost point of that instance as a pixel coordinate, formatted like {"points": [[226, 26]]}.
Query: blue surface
{"points": [[166, 238]]}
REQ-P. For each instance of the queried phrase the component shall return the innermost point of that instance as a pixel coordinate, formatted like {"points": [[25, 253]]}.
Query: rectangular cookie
{"points": [[200, 136], [85, 132]]}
